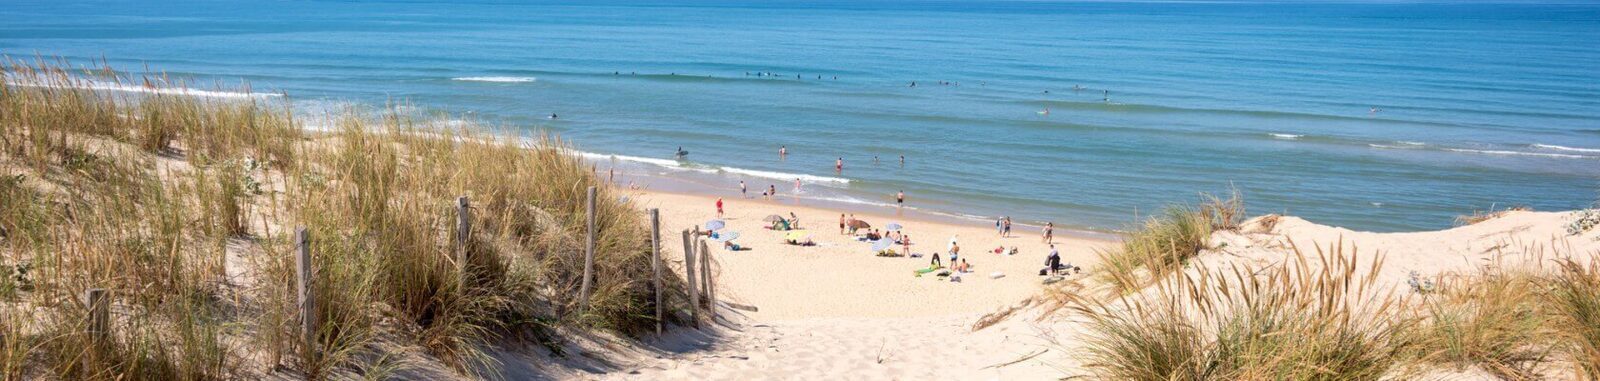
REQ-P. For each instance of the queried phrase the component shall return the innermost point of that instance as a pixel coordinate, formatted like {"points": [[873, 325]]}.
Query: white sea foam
{"points": [[1519, 153], [1411, 143], [108, 86], [1565, 148], [1286, 136], [786, 176], [686, 166], [496, 79]]}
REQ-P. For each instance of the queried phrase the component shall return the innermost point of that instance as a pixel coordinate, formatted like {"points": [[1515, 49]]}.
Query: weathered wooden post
{"points": [[588, 260], [655, 267], [706, 275], [98, 325], [308, 310], [463, 233], [688, 267]]}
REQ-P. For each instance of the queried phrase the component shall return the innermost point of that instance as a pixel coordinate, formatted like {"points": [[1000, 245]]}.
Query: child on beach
{"points": [[743, 191], [719, 207]]}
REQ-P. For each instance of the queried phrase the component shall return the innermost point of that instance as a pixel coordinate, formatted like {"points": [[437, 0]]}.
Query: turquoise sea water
{"points": [[1477, 104]]}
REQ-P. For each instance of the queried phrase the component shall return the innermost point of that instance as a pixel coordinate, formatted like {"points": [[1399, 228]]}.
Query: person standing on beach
{"points": [[797, 185], [772, 191], [744, 192], [719, 207], [900, 198], [999, 226], [842, 223], [1007, 233], [1049, 232]]}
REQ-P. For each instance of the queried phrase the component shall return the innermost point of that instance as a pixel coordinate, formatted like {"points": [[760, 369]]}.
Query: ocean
{"points": [[1373, 116]]}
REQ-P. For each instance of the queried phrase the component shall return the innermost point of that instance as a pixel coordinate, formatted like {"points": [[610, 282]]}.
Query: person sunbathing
{"points": [[961, 267]]}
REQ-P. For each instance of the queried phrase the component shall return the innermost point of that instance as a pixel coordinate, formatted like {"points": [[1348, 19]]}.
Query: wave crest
{"points": [[496, 79]]}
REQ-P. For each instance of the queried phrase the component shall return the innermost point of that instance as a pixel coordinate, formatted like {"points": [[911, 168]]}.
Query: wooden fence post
{"points": [[308, 306], [463, 233], [710, 285], [655, 266], [588, 260], [98, 325], [688, 266]]}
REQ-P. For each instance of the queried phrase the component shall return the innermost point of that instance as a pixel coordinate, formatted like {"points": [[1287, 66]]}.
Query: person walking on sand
{"points": [[842, 223], [744, 192], [1007, 233], [999, 226], [900, 198], [719, 207], [1049, 232]]}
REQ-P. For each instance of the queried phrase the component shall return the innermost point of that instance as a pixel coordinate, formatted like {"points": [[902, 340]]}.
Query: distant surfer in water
{"points": [[913, 84], [553, 115], [681, 153]]}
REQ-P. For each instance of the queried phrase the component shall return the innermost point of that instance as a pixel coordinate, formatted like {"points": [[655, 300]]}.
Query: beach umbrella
{"points": [[715, 225], [893, 226], [882, 244], [772, 218], [798, 235], [726, 236], [859, 224]]}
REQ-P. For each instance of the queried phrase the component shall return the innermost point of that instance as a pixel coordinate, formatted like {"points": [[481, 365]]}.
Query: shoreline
{"points": [[684, 178]]}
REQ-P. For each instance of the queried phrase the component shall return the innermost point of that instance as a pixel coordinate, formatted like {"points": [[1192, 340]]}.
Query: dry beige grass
{"points": [[149, 195]]}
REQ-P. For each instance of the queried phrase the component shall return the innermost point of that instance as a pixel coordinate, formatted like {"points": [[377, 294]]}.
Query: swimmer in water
{"points": [[783, 151], [553, 115], [797, 185], [838, 166], [1374, 110], [1107, 96], [913, 84]]}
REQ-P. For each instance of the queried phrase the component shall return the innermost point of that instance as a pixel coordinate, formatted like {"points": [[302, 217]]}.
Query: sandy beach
{"points": [[836, 311], [841, 278]]}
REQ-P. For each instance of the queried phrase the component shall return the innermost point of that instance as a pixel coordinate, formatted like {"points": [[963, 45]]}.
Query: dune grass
{"points": [[1313, 318], [183, 207], [1165, 242], [1492, 320]]}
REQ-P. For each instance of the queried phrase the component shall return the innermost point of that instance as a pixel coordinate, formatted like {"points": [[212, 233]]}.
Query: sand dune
{"points": [[834, 311]]}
